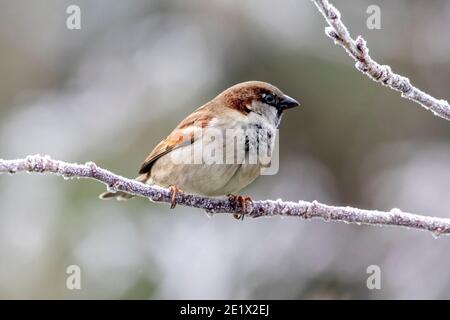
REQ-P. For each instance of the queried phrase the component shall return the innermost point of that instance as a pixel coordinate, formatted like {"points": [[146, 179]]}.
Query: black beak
{"points": [[287, 102]]}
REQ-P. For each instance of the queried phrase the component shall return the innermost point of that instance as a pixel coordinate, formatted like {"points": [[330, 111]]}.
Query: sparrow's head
{"points": [[258, 97]]}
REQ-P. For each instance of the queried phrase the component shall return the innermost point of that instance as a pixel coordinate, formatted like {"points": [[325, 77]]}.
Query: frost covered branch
{"points": [[359, 51], [264, 208]]}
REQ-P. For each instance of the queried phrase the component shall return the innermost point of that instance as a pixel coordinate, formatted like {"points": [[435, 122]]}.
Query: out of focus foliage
{"points": [[110, 91]]}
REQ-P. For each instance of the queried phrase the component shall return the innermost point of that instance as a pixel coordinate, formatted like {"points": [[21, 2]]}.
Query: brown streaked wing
{"points": [[181, 136]]}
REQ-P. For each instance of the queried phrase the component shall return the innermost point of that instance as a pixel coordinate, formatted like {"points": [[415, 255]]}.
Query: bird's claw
{"points": [[243, 201], [174, 190]]}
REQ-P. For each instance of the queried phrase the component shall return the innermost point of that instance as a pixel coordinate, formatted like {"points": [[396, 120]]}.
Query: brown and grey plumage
{"points": [[244, 106]]}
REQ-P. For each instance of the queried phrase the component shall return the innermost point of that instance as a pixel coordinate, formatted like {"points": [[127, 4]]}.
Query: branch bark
{"points": [[265, 208], [383, 74]]}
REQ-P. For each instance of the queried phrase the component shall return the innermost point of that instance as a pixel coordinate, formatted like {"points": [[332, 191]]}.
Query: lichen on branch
{"points": [[262, 208], [358, 50]]}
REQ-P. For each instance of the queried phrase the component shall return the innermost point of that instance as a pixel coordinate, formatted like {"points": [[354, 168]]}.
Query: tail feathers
{"points": [[120, 195]]}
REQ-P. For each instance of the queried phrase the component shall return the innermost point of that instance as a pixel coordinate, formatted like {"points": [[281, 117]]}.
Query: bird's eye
{"points": [[269, 98]]}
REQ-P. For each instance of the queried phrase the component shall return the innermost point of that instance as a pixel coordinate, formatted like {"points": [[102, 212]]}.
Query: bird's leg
{"points": [[243, 201], [174, 190]]}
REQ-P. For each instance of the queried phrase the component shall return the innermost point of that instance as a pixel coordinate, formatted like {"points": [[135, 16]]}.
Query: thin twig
{"points": [[265, 208], [359, 51]]}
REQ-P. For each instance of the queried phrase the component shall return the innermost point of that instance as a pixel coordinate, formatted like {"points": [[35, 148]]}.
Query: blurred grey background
{"points": [[112, 90]]}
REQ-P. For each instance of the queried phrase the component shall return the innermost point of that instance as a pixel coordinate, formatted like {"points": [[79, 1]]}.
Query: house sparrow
{"points": [[250, 111]]}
